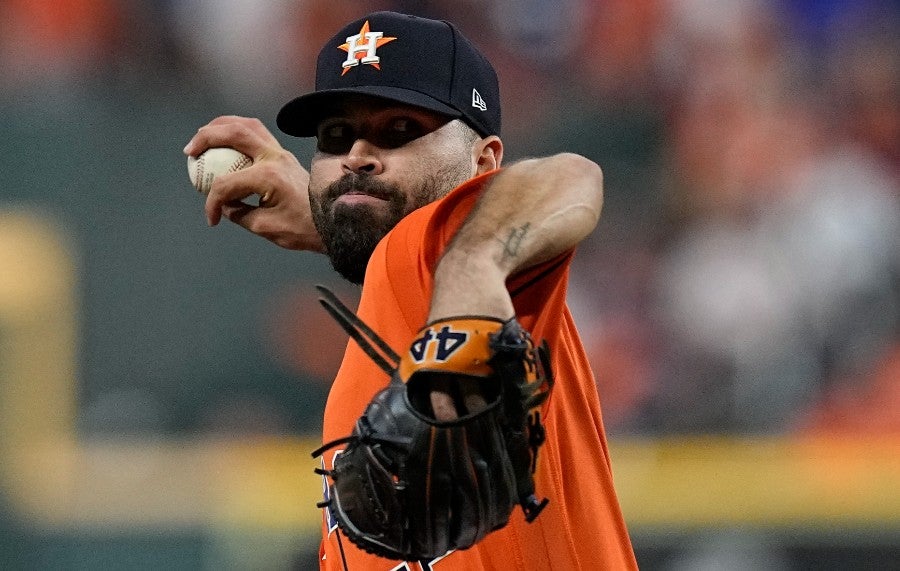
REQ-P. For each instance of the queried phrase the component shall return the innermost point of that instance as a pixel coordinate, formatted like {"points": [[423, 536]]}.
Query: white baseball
{"points": [[213, 162]]}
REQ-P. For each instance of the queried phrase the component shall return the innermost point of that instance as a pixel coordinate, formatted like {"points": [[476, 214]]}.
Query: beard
{"points": [[350, 232]]}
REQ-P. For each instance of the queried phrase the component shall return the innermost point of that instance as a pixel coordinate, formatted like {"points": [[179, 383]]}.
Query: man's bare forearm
{"points": [[531, 212]]}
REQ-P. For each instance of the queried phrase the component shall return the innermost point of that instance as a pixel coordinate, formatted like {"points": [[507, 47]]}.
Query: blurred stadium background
{"points": [[161, 382]]}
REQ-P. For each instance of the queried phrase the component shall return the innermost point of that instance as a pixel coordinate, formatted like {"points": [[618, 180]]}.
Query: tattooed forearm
{"points": [[513, 242]]}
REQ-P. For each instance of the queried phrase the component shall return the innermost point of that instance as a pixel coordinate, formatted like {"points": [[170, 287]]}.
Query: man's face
{"points": [[375, 163]]}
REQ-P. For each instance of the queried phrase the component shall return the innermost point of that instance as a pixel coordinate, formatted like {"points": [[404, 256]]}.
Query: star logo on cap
{"points": [[361, 48]]}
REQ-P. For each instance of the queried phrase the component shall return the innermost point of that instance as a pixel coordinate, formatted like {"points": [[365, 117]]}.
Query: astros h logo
{"points": [[361, 48]]}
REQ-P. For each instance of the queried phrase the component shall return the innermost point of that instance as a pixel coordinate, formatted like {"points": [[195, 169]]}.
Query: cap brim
{"points": [[300, 117]]}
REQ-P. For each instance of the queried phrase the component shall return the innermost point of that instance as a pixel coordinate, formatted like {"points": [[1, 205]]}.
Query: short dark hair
{"points": [[466, 131]]}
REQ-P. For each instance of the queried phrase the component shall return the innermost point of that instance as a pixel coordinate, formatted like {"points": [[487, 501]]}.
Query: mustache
{"points": [[360, 184]]}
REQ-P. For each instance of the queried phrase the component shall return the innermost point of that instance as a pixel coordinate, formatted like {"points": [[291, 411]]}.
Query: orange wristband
{"points": [[453, 345]]}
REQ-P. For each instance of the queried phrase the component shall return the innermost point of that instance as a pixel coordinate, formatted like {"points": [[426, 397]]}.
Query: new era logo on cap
{"points": [[416, 61], [477, 101]]}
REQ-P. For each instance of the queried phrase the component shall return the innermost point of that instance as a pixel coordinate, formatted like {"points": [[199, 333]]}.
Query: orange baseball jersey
{"points": [[582, 527]]}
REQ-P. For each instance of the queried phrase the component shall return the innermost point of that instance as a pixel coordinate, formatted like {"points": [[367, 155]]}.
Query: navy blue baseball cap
{"points": [[408, 59]]}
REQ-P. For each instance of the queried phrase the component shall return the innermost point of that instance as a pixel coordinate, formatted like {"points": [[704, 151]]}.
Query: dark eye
{"points": [[335, 138], [400, 131]]}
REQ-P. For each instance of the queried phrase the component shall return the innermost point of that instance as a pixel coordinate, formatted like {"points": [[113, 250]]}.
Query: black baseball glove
{"points": [[408, 486]]}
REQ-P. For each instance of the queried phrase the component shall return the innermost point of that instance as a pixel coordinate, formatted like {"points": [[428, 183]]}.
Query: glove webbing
{"points": [[369, 341], [374, 346]]}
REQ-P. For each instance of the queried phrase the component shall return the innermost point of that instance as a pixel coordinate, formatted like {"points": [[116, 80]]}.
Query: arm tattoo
{"points": [[513, 242]]}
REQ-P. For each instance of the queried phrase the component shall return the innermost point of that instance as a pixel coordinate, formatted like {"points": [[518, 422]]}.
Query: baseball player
{"points": [[407, 197]]}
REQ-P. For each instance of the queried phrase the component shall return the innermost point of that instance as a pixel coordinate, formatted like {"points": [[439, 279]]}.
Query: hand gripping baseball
{"points": [[409, 486]]}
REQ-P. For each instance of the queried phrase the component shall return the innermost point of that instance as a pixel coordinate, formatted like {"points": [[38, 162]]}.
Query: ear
{"points": [[487, 154]]}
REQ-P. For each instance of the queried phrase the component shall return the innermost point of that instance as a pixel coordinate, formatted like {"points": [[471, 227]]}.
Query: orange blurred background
{"points": [[161, 382]]}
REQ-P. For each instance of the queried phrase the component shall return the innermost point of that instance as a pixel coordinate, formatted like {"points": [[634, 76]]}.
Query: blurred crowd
{"points": [[746, 274]]}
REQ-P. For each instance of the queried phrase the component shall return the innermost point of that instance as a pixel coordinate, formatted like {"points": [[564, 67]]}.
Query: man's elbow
{"points": [[584, 179]]}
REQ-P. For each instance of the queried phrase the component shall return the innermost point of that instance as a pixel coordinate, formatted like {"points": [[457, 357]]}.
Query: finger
{"points": [[473, 399], [256, 219], [252, 218], [471, 394], [441, 397], [245, 134], [239, 213], [442, 406], [213, 133], [232, 188], [226, 209], [275, 227]]}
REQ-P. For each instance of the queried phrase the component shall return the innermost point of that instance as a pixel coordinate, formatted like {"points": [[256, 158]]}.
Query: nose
{"points": [[362, 158]]}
